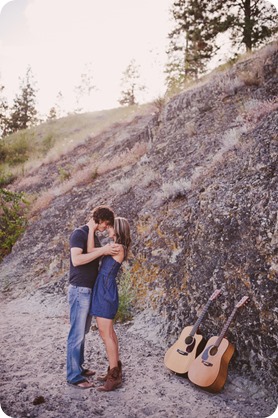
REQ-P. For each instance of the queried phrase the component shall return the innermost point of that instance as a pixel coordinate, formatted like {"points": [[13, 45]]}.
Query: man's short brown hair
{"points": [[103, 214]]}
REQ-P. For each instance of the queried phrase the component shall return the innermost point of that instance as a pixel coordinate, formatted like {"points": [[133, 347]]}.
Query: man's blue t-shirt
{"points": [[86, 274]]}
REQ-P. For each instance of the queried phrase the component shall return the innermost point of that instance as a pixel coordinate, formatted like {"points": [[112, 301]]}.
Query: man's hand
{"points": [[111, 249]]}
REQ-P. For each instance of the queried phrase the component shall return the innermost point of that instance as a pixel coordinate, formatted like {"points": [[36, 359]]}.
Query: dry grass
{"points": [[172, 190], [159, 103], [228, 84], [250, 78], [42, 202], [122, 186], [144, 176], [89, 173], [124, 159], [230, 139], [67, 133], [26, 182], [246, 70], [190, 129], [255, 110]]}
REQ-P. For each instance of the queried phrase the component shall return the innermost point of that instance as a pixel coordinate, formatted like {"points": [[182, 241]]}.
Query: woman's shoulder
{"points": [[121, 255]]}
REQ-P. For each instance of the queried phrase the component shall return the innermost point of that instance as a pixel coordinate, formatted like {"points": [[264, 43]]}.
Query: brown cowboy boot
{"points": [[103, 377], [120, 369], [113, 381]]}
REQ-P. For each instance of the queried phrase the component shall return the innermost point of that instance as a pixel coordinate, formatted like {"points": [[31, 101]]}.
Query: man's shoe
{"points": [[88, 372], [84, 384]]}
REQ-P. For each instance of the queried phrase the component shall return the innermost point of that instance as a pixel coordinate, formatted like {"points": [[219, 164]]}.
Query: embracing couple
{"points": [[93, 292]]}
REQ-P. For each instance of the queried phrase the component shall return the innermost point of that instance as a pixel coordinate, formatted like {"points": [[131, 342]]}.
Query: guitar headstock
{"points": [[242, 301], [215, 294]]}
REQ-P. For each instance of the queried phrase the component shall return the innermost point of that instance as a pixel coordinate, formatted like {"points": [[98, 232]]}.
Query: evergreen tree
{"points": [[131, 85], [59, 105], [52, 114], [23, 112], [3, 113], [84, 89], [192, 41], [252, 22], [198, 22]]}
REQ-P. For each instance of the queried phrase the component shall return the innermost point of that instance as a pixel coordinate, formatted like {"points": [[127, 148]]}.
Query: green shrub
{"points": [[159, 103], [13, 208], [6, 178], [3, 151], [47, 143], [19, 150], [127, 296], [15, 151], [64, 173], [94, 174]]}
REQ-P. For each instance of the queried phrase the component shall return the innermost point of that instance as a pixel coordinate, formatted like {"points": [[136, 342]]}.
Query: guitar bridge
{"points": [[207, 363], [183, 353]]}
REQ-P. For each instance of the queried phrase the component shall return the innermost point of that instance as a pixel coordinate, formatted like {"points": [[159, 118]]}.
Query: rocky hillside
{"points": [[197, 178]]}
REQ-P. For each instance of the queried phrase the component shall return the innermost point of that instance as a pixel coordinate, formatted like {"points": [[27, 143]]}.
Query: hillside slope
{"points": [[198, 182]]}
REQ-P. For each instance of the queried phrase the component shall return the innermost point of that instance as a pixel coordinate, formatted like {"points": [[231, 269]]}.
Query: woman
{"points": [[105, 299]]}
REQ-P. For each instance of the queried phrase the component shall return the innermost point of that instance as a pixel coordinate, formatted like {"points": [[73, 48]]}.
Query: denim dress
{"points": [[105, 298]]}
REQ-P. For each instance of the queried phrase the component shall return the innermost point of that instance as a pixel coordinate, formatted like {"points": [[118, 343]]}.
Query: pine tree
{"points": [[59, 105], [52, 115], [198, 22], [3, 113], [131, 85], [23, 112], [192, 41], [84, 89], [252, 22]]}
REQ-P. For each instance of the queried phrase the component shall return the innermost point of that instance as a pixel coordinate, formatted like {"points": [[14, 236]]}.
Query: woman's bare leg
{"points": [[109, 337]]}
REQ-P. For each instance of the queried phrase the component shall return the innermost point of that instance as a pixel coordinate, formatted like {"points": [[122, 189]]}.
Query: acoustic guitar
{"points": [[210, 369], [189, 344]]}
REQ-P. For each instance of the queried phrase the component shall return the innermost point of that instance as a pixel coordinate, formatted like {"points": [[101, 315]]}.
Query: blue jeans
{"points": [[80, 321]]}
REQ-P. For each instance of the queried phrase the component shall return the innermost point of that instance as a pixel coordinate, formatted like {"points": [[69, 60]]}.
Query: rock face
{"points": [[200, 192]]}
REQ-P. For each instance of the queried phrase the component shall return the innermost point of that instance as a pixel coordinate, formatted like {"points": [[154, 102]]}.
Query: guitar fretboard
{"points": [[225, 328], [215, 294]]}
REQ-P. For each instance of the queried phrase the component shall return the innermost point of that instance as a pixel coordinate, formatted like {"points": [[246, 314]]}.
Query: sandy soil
{"points": [[33, 346]]}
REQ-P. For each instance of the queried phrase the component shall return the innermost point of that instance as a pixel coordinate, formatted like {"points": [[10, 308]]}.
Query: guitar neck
{"points": [[199, 320], [225, 328]]}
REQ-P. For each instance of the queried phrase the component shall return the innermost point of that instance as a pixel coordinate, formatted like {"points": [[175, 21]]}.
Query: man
{"points": [[82, 277]]}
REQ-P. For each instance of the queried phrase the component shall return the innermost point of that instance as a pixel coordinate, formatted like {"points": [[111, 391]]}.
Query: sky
{"points": [[61, 39]]}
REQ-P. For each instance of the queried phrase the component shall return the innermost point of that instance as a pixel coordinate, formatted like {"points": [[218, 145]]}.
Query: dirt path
{"points": [[33, 346]]}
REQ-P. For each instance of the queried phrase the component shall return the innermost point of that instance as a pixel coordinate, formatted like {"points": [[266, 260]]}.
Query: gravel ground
{"points": [[34, 332]]}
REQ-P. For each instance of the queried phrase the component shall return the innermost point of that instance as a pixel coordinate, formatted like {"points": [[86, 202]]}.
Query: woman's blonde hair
{"points": [[122, 232]]}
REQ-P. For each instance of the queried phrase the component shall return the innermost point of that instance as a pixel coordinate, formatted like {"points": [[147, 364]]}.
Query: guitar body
{"points": [[180, 355], [210, 369]]}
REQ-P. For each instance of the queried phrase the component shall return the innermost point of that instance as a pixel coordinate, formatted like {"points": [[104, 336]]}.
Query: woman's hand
{"points": [[111, 249], [92, 225], [91, 242]]}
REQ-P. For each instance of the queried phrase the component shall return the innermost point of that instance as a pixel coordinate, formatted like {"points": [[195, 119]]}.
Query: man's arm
{"points": [[78, 258]]}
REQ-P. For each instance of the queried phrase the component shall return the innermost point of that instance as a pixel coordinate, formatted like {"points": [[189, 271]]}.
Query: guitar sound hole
{"points": [[213, 351], [188, 340]]}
